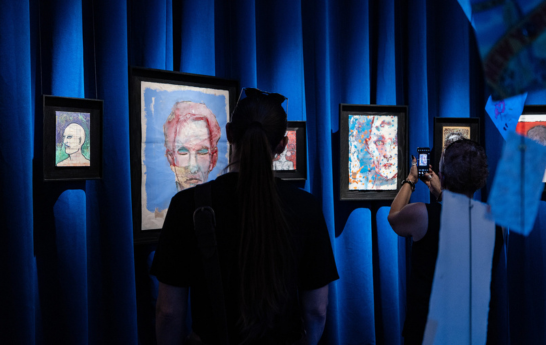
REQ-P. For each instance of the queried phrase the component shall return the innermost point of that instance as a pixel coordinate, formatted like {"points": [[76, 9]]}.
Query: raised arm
{"points": [[315, 306], [172, 303], [408, 219]]}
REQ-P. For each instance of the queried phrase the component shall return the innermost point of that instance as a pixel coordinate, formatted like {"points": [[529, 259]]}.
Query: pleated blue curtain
{"points": [[67, 251], [17, 297], [71, 250]]}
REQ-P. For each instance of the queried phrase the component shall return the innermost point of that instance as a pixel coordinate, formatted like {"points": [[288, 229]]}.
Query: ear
{"points": [[213, 160], [229, 133], [281, 146]]}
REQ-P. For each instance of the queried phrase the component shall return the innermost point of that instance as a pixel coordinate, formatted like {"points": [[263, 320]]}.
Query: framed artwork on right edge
{"points": [[373, 151], [449, 129], [532, 124]]}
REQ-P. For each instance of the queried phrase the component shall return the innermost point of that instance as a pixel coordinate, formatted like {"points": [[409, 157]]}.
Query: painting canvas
{"points": [[183, 143], [72, 139], [292, 163], [533, 126], [453, 133], [373, 152], [450, 129], [287, 160]]}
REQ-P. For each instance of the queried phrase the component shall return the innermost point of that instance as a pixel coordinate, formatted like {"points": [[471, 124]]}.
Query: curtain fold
{"points": [[17, 289], [319, 54], [114, 316]]}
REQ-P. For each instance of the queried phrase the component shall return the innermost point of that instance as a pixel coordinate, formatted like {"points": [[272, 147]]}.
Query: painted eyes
{"points": [[185, 152], [379, 142], [69, 137]]}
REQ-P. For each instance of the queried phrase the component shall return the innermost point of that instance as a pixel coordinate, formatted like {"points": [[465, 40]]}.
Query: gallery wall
{"points": [[70, 271]]}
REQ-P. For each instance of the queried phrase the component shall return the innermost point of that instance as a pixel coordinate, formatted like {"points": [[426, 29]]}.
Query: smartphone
{"points": [[423, 160]]}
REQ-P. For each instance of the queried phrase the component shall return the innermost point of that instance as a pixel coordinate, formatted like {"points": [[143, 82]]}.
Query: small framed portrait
{"points": [[72, 148], [373, 157], [178, 139], [532, 124], [450, 129], [292, 163]]}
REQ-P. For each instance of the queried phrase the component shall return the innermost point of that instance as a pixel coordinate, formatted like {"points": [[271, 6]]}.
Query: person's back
{"points": [[463, 170], [273, 244], [311, 268]]}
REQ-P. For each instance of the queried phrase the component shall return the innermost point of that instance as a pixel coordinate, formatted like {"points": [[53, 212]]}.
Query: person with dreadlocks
{"points": [[463, 170], [275, 255]]}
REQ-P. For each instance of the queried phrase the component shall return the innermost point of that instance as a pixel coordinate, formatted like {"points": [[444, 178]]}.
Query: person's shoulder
{"points": [[183, 197], [63, 163], [299, 198]]}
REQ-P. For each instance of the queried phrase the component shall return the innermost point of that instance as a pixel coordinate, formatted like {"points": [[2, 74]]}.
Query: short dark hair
{"points": [[463, 167]]}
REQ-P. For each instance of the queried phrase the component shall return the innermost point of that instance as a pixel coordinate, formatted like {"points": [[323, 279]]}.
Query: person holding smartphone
{"points": [[463, 170]]}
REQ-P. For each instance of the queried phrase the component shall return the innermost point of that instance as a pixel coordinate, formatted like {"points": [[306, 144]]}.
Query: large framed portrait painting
{"points": [[178, 139], [373, 151]]}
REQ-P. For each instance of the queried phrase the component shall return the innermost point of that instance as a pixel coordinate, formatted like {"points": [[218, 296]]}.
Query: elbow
{"points": [[167, 312], [392, 222], [318, 312], [390, 218], [396, 227]]}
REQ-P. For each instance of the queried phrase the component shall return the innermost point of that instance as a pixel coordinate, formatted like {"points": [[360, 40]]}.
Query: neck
{"points": [[75, 155]]}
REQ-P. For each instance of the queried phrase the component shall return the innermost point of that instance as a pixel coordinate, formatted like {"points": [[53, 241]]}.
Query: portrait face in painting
{"points": [[382, 145], [191, 137], [73, 138], [287, 159]]}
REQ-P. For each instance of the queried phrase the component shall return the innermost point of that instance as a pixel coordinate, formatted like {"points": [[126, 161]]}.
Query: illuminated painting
{"points": [[451, 134], [373, 152], [533, 127], [72, 139], [287, 159], [183, 143]]}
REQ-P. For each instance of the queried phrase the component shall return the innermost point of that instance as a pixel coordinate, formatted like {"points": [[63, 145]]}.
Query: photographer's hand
{"points": [[433, 182], [413, 174]]}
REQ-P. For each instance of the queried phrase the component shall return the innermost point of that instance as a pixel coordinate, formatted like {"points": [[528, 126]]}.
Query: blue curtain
{"points": [[70, 272]]}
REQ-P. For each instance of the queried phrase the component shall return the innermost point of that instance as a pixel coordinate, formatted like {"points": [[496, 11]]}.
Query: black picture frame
{"points": [[93, 107], [137, 76], [300, 173], [347, 110], [539, 110], [440, 123]]}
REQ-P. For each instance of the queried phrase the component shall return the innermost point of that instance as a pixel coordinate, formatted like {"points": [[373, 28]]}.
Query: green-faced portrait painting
{"points": [[72, 139]]}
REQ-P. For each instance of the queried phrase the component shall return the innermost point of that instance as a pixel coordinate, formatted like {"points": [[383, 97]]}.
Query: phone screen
{"points": [[423, 160]]}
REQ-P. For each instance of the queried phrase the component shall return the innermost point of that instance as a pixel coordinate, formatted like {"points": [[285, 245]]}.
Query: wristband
{"points": [[410, 183]]}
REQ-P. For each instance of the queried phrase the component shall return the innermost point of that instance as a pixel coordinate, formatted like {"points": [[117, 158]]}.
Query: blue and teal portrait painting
{"points": [[183, 143], [373, 152]]}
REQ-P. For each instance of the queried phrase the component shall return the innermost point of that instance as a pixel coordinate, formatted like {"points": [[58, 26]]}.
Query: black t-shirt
{"points": [[177, 260], [423, 263]]}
